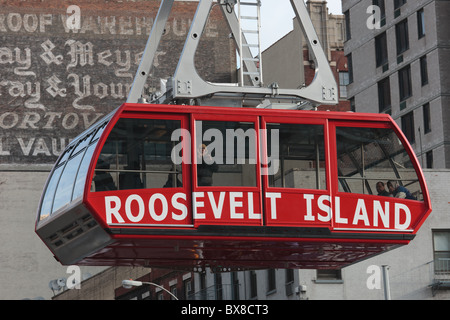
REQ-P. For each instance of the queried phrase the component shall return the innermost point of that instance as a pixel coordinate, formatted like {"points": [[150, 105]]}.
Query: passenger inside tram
{"points": [[205, 166], [173, 181], [130, 178], [399, 191], [103, 180], [368, 156], [382, 189]]}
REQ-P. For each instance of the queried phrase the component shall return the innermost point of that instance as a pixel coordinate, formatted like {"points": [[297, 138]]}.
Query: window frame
{"points": [[225, 118], [184, 124], [381, 49], [384, 95], [423, 62], [421, 28], [402, 36], [438, 270], [310, 121], [404, 83], [369, 125]]}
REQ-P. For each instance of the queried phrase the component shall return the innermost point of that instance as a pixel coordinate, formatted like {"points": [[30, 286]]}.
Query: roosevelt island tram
{"points": [[232, 175]]}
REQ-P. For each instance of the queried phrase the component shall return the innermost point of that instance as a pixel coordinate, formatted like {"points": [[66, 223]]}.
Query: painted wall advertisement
{"points": [[63, 67]]}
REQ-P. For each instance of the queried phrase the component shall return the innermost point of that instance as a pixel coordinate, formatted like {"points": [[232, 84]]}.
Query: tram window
{"points": [[64, 190], [81, 175], [299, 149], [137, 154], [226, 156], [46, 207], [367, 156], [61, 184]]}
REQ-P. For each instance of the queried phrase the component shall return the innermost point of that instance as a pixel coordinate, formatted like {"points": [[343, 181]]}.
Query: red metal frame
{"points": [[247, 242]]}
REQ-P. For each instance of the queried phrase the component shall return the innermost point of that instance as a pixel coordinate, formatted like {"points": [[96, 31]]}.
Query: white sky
{"points": [[276, 19]]}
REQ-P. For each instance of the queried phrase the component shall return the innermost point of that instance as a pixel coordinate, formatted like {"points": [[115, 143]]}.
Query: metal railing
{"points": [[216, 292], [442, 269], [441, 277]]}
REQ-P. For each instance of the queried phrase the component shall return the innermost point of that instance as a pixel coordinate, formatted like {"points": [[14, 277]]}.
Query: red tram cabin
{"points": [[195, 187]]}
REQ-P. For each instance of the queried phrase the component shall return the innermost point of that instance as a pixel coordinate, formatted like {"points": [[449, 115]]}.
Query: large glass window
{"points": [[137, 154], [68, 179], [372, 158], [226, 153], [384, 95], [441, 245], [381, 49], [401, 32], [298, 154]]}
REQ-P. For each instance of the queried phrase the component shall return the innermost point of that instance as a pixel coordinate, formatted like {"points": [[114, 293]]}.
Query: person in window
{"points": [[130, 179], [102, 179], [398, 191], [382, 190], [170, 180], [205, 166]]}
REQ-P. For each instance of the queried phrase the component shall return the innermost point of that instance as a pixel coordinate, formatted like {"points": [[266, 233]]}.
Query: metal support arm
{"points": [[186, 84], [150, 51]]}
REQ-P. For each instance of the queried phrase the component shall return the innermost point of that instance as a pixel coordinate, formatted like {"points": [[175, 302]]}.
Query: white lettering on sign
{"points": [[402, 214], [273, 196], [113, 210], [235, 205], [135, 208]]}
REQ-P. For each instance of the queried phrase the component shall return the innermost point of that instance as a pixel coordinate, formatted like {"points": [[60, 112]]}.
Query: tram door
{"points": [[296, 173], [226, 180]]}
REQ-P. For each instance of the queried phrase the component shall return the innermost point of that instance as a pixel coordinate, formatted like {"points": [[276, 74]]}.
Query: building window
{"points": [[381, 49], [424, 70], [289, 281], [203, 295], [429, 160], [384, 95], [271, 281], [188, 289], [404, 83], [343, 82], [421, 23], [398, 3], [408, 127], [401, 32], [253, 285], [334, 275], [218, 286], [352, 104], [348, 33], [173, 290], [426, 118], [234, 286], [350, 68], [441, 248], [381, 5]]}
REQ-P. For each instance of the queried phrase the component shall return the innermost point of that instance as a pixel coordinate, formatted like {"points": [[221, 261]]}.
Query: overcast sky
{"points": [[276, 19]]}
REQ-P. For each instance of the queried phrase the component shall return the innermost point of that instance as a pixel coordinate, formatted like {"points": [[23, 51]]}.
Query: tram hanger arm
{"points": [[187, 84], [148, 57]]}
